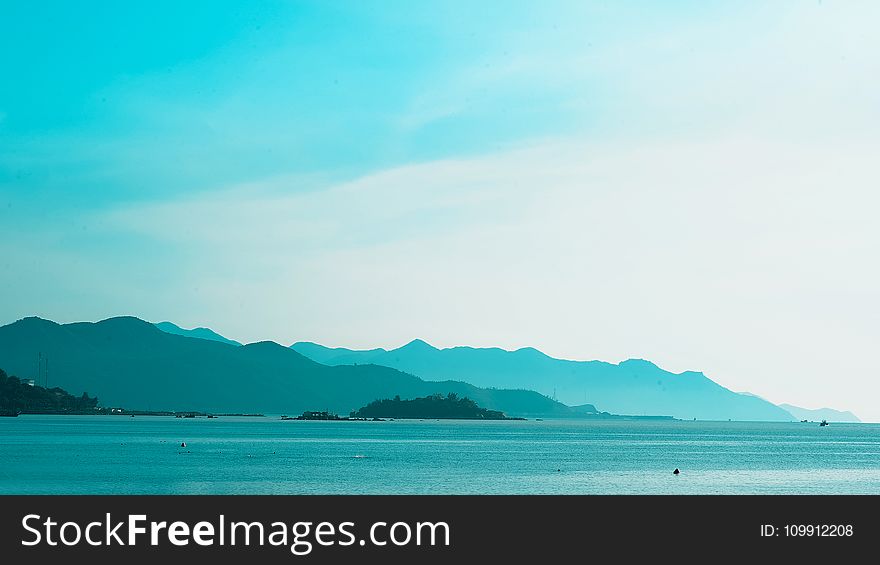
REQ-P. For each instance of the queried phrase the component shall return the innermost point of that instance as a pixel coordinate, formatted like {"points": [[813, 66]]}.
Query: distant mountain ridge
{"points": [[495, 378], [200, 333], [635, 386], [131, 363], [819, 414]]}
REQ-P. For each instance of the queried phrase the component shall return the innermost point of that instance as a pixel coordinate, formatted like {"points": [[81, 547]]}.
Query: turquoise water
{"points": [[142, 455]]}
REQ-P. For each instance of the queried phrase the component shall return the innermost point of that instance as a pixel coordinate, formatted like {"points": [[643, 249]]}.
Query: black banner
{"points": [[434, 529]]}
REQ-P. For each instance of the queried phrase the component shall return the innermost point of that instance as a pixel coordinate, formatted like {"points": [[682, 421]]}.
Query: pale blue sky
{"points": [[688, 182]]}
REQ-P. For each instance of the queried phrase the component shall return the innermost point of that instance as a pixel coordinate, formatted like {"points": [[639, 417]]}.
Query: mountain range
{"points": [[131, 363], [636, 386]]}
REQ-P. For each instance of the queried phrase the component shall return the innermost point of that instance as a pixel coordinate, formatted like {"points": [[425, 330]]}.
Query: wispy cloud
{"points": [[666, 250]]}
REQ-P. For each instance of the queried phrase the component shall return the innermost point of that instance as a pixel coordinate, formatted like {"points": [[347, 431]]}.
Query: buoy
{"points": [[183, 444], [676, 471]]}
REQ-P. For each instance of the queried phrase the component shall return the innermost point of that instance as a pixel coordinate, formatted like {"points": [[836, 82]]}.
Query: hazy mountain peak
{"points": [[532, 352], [132, 320], [200, 333], [35, 321], [123, 325], [418, 344], [266, 345]]}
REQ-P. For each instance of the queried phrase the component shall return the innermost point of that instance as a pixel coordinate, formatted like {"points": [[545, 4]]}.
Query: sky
{"points": [[693, 183]]}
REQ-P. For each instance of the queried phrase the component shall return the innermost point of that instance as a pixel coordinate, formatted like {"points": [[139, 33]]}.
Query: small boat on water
{"points": [[823, 423]]}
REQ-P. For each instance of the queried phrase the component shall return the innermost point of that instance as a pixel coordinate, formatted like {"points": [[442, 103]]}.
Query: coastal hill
{"points": [[434, 406], [131, 363], [634, 387], [18, 396]]}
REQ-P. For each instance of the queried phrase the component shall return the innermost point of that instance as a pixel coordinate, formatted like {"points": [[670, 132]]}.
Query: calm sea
{"points": [[229, 455]]}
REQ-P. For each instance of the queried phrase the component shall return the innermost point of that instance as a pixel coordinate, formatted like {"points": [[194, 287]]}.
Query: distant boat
{"points": [[313, 415], [823, 423]]}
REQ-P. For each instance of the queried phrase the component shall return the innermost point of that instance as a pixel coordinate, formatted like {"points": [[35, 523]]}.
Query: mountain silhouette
{"points": [[200, 333], [130, 363], [636, 386]]}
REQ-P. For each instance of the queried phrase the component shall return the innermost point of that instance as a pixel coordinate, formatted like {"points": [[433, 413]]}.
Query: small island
{"points": [[436, 406]]}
